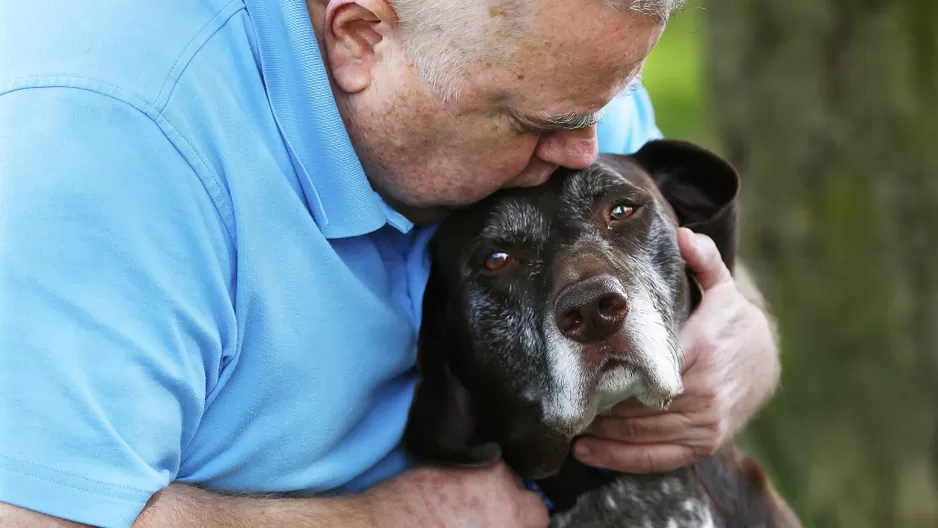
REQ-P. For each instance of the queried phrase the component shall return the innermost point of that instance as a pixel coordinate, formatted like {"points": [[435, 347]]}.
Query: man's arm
{"points": [[115, 268], [765, 367], [420, 498], [182, 506]]}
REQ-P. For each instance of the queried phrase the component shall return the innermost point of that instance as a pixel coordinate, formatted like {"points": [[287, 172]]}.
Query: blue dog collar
{"points": [[532, 486]]}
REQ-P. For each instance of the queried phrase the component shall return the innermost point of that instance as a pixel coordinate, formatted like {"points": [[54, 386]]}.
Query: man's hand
{"points": [[483, 497], [730, 367]]}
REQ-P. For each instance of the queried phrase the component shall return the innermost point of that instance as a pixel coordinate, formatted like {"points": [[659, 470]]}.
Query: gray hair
{"points": [[443, 37], [660, 10]]}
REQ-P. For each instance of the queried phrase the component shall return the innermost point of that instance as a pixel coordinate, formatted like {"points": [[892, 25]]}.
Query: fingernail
{"points": [[691, 237], [698, 240]]}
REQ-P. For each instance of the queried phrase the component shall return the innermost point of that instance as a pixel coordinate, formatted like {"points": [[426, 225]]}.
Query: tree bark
{"points": [[829, 108]]}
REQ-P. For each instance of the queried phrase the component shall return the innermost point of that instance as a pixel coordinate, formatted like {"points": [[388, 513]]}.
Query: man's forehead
{"points": [[584, 53], [575, 98]]}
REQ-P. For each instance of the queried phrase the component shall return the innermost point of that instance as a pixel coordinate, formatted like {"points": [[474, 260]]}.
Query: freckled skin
{"points": [[496, 11], [423, 154]]}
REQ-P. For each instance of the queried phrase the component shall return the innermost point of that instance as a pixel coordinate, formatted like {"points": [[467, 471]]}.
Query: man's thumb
{"points": [[703, 258]]}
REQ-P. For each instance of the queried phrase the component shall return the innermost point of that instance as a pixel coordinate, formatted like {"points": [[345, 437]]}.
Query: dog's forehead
{"points": [[586, 185], [607, 174], [624, 169], [525, 215], [518, 217]]}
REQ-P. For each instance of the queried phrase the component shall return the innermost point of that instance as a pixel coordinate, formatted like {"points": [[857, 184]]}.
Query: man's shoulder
{"points": [[628, 123], [133, 51]]}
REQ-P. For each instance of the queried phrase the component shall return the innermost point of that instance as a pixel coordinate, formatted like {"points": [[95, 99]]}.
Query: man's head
{"points": [[447, 101]]}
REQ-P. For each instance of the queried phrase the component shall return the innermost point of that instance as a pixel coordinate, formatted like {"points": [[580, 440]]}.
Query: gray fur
{"points": [[655, 502], [519, 327]]}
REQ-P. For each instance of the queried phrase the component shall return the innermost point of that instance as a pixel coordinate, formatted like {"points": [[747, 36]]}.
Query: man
{"points": [[213, 218]]}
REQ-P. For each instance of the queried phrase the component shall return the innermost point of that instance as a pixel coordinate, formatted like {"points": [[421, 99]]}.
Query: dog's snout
{"points": [[592, 310]]}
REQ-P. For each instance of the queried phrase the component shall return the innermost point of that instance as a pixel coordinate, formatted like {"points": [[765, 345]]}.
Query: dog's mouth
{"points": [[613, 364], [608, 357], [627, 364], [537, 449]]}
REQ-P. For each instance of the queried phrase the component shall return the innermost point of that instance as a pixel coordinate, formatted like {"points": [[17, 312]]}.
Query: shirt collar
{"points": [[340, 198]]}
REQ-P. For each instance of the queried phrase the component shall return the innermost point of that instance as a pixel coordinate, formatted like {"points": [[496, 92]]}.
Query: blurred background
{"points": [[829, 109]]}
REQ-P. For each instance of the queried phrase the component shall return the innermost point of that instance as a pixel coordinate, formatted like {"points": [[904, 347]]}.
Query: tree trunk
{"points": [[829, 108]]}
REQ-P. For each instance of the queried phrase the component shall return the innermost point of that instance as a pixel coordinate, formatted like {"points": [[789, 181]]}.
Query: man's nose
{"points": [[574, 149]]}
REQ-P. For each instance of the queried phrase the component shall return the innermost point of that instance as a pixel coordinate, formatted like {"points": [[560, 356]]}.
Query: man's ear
{"points": [[354, 29], [701, 187], [442, 425]]}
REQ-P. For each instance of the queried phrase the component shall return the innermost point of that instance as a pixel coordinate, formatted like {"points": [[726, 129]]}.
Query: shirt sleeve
{"points": [[628, 123], [115, 309]]}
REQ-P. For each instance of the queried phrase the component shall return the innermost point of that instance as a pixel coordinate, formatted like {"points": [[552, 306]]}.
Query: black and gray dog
{"points": [[548, 305]]}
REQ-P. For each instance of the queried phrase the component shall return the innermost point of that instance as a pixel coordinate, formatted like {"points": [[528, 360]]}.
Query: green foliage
{"points": [[830, 110], [674, 77]]}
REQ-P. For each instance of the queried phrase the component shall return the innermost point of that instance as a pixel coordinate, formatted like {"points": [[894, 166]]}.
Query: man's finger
{"points": [[703, 258], [689, 348], [671, 427], [533, 510], [638, 458], [501, 467], [632, 408], [685, 402]]}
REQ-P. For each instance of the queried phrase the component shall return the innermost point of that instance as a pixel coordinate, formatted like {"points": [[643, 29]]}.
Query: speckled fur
{"points": [[670, 501]]}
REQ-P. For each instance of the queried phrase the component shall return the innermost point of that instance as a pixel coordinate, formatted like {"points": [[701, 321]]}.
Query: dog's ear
{"points": [[442, 426], [701, 187]]}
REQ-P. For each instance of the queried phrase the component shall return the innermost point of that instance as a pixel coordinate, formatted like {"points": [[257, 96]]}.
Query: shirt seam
{"points": [[66, 473], [209, 183], [6, 467], [192, 48]]}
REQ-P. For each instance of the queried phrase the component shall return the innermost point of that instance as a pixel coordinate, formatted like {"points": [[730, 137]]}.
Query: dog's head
{"points": [[547, 305]]}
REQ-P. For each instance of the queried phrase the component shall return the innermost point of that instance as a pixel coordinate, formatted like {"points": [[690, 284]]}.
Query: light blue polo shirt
{"points": [[197, 282]]}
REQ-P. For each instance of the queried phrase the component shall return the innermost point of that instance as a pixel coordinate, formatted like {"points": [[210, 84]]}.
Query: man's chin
{"points": [[422, 216]]}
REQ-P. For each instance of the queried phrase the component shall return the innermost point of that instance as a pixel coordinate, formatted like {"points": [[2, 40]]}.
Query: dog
{"points": [[548, 305]]}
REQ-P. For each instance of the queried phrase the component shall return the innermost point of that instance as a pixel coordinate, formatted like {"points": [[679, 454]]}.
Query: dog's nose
{"points": [[592, 310]]}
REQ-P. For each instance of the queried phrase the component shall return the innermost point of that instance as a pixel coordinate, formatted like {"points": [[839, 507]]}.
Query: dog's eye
{"points": [[621, 211], [497, 260]]}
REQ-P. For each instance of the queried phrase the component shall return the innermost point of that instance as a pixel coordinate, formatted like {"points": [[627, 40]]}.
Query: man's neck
{"points": [[417, 215]]}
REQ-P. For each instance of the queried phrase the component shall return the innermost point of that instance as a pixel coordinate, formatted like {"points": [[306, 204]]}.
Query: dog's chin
{"points": [[654, 388], [538, 454], [654, 383], [647, 370]]}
